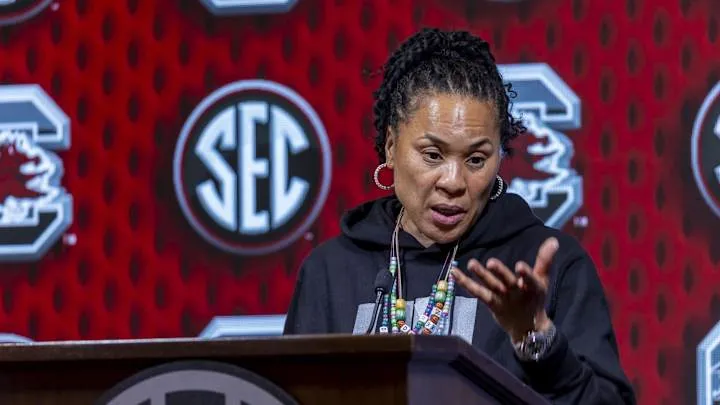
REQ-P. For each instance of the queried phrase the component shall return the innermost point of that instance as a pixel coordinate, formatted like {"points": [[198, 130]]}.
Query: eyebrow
{"points": [[442, 142]]}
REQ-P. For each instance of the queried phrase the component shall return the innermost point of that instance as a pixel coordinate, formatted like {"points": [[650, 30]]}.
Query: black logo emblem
{"points": [[195, 383], [705, 149], [252, 167]]}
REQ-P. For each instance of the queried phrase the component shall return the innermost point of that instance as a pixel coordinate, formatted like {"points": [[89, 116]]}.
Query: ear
{"points": [[390, 148]]}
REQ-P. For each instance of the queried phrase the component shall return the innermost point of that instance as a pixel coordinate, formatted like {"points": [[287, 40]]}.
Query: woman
{"points": [[443, 124]]}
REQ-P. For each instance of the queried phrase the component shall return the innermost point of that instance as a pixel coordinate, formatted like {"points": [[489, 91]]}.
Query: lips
{"points": [[447, 215]]}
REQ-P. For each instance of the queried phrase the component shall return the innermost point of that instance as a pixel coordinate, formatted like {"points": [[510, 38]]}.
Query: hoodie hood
{"points": [[372, 223]]}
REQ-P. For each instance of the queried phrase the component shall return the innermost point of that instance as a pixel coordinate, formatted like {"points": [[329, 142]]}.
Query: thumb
{"points": [[545, 256]]}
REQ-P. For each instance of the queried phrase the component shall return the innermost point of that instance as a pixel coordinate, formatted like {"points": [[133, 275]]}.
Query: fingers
{"points": [[545, 256], [474, 288], [502, 272], [491, 282], [528, 279], [497, 280]]}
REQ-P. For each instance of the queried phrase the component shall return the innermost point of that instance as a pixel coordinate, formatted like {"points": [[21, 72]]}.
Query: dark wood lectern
{"points": [[334, 369]]}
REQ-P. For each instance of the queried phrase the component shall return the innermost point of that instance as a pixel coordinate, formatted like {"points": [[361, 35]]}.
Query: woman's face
{"points": [[444, 158]]}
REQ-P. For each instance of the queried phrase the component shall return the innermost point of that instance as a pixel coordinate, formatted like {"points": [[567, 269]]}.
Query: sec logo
{"points": [[196, 382], [705, 150], [252, 167], [17, 11]]}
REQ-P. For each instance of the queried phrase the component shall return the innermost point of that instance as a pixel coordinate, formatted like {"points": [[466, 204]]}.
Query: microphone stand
{"points": [[383, 281]]}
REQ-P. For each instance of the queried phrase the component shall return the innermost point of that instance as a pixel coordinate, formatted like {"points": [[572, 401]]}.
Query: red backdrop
{"points": [[128, 73]]}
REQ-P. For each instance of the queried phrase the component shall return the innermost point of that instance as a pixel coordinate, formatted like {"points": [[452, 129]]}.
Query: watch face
{"points": [[535, 345]]}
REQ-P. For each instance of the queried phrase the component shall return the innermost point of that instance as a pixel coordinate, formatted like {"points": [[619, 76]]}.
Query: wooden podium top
{"points": [[417, 347], [362, 352], [310, 345]]}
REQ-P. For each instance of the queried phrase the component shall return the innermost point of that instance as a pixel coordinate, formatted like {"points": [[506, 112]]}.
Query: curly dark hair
{"points": [[435, 61]]}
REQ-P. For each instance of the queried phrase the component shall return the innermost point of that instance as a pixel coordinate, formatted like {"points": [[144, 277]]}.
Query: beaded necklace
{"points": [[436, 314]]}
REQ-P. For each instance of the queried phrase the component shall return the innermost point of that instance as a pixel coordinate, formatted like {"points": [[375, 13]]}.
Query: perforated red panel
{"points": [[129, 72]]}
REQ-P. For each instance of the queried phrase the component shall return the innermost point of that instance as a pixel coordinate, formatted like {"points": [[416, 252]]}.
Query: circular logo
{"points": [[705, 149], [196, 382], [17, 11], [252, 167]]}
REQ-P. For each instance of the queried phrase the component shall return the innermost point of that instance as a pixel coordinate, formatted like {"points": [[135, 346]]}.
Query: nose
{"points": [[452, 181]]}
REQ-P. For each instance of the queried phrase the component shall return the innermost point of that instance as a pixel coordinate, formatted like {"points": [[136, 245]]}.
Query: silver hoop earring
{"points": [[500, 188], [377, 179]]}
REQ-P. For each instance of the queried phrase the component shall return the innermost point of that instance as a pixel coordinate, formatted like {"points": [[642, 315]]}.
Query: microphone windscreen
{"points": [[383, 281]]}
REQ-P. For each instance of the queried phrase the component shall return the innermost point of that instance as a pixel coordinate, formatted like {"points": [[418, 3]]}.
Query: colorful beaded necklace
{"points": [[435, 317]]}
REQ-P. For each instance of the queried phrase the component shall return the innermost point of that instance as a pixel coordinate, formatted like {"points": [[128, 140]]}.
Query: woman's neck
{"points": [[408, 226]]}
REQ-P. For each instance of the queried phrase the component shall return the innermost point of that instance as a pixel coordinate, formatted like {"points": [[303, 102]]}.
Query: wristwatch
{"points": [[535, 344]]}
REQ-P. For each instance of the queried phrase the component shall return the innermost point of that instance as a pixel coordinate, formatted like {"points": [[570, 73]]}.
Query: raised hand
{"points": [[516, 299]]}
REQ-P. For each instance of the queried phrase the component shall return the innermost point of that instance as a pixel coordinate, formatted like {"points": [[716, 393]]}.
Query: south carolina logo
{"points": [[705, 149], [34, 208], [17, 11], [542, 174]]}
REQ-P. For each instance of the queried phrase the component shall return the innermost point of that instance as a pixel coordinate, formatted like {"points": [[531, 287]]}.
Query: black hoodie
{"points": [[334, 294]]}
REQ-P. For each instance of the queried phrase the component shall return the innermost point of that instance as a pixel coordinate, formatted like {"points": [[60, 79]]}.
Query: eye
{"points": [[432, 156], [478, 161]]}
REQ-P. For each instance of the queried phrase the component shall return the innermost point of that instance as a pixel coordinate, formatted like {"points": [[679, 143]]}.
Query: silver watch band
{"points": [[535, 344]]}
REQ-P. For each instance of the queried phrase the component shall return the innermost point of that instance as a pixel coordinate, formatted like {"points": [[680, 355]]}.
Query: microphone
{"points": [[383, 283]]}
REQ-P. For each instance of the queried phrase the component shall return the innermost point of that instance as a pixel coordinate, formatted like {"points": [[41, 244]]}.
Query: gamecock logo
{"points": [[705, 149], [34, 208], [17, 11], [252, 167], [196, 382], [541, 172]]}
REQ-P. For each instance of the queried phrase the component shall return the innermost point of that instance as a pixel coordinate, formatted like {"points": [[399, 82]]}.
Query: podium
{"points": [[327, 369]]}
